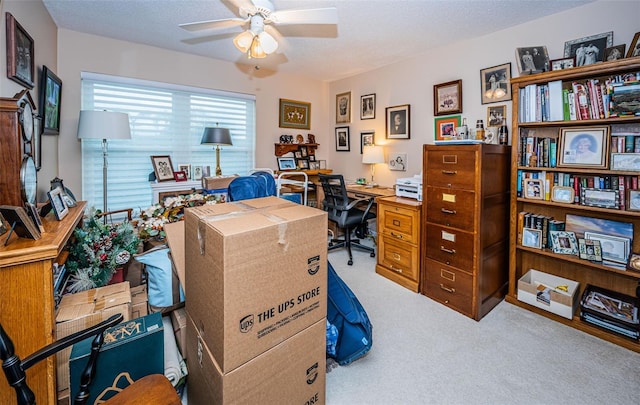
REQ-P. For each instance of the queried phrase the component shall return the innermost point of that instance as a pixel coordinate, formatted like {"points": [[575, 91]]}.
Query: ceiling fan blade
{"points": [[213, 24], [327, 15]]}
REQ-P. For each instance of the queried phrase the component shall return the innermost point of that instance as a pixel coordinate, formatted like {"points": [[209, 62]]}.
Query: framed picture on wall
{"points": [[366, 139], [342, 139], [398, 122], [343, 108], [51, 96], [20, 54], [447, 98], [368, 107], [495, 83], [294, 114]]}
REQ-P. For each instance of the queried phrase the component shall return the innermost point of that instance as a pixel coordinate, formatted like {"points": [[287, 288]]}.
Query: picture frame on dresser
{"points": [[20, 53], [58, 205]]}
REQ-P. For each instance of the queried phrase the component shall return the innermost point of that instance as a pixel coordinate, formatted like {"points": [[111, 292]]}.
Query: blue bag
{"points": [[344, 311], [256, 185]]}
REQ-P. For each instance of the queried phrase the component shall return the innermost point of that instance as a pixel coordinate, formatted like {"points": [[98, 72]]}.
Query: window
{"points": [[165, 119]]}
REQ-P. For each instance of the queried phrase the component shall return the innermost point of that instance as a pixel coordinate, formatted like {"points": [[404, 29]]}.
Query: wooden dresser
{"points": [[399, 240], [26, 302], [466, 226]]}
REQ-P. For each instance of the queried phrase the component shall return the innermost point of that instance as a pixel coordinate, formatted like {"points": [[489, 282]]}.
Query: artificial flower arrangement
{"points": [[98, 251]]}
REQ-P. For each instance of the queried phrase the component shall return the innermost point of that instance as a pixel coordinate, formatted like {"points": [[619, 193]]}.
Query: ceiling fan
{"points": [[256, 42]]}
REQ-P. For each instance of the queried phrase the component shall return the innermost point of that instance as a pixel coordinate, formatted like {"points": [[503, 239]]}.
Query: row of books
{"points": [[625, 143], [578, 100], [541, 222]]}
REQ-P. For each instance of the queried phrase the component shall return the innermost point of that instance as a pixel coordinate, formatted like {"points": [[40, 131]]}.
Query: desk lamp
{"points": [[216, 136], [103, 125], [372, 155]]}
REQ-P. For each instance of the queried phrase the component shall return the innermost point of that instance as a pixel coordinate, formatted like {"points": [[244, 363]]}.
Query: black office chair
{"points": [[344, 212]]}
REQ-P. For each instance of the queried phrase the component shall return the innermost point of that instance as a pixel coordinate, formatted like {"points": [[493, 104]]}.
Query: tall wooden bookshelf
{"points": [[522, 258]]}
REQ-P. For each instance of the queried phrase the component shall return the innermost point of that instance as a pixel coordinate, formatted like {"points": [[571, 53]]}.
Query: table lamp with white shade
{"points": [[219, 137], [372, 155]]}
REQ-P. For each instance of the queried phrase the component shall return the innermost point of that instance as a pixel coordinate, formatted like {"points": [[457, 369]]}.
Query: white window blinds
{"points": [[165, 119]]}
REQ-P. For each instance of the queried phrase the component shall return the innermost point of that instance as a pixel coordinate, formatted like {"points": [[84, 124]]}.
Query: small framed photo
{"points": [[302, 164], [590, 250], [445, 127], [532, 59], [564, 242], [588, 50], [368, 107], [398, 161], [180, 175], [597, 197], [398, 122], [634, 262], [197, 173], [297, 154], [532, 238], [563, 194], [633, 200], [303, 151], [495, 114], [366, 139], [295, 114], [625, 161], [314, 165], [342, 139], [533, 189], [286, 163], [186, 168], [584, 147], [614, 248], [58, 205], [614, 52], [634, 46], [206, 171], [495, 83], [343, 108], [20, 54], [447, 98], [625, 100], [162, 167], [50, 99], [322, 164], [312, 158], [563, 63]]}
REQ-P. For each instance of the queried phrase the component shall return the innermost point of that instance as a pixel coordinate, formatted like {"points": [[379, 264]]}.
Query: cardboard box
{"points": [[87, 308], [139, 301], [293, 372], [175, 240], [256, 274], [217, 182], [131, 350], [556, 301], [179, 322]]}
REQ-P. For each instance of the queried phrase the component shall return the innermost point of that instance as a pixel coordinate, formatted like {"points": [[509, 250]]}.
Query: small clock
{"points": [[26, 121]]}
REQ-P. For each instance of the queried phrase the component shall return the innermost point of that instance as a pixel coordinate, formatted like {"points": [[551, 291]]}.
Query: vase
{"points": [[119, 276]]}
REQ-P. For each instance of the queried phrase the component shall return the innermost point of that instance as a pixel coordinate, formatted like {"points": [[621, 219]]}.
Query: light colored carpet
{"points": [[425, 353]]}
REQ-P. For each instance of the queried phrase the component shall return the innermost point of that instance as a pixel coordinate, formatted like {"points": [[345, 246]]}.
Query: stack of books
{"points": [[611, 311]]}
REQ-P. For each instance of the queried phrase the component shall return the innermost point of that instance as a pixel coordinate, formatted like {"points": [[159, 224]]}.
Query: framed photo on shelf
{"points": [[590, 250], [614, 52], [162, 167], [564, 242], [445, 127], [186, 168], [495, 83], [625, 100], [342, 139], [532, 238], [495, 114], [563, 63], [634, 46], [368, 107], [58, 205], [50, 101], [286, 163], [197, 172], [294, 114], [20, 54], [180, 176], [314, 165], [532, 59], [447, 98], [398, 121], [563, 194], [634, 262], [603, 198], [588, 50], [633, 200], [302, 164], [533, 189], [366, 139], [625, 161], [343, 108], [614, 248], [584, 147]]}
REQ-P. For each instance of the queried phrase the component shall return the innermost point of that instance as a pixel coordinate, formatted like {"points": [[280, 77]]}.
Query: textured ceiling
{"points": [[369, 33]]}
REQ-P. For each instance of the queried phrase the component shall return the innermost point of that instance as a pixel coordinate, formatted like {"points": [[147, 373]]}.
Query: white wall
{"points": [[411, 82]]}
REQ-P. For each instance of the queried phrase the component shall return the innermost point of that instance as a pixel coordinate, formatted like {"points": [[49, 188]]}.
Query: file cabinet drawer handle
{"points": [[396, 222], [451, 290], [396, 269], [396, 235], [444, 249], [450, 172], [446, 211]]}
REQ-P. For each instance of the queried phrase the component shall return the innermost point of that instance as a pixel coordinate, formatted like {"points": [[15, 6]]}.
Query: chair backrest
{"points": [[336, 201]]}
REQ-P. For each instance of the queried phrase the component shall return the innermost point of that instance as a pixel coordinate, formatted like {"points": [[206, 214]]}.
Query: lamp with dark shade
{"points": [[103, 125], [216, 136]]}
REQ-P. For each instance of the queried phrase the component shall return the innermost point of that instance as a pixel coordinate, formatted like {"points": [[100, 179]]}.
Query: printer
{"points": [[410, 187]]}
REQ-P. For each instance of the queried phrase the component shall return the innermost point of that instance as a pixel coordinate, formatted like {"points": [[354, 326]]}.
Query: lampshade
{"points": [[103, 125], [216, 136], [243, 41], [268, 42], [373, 154]]}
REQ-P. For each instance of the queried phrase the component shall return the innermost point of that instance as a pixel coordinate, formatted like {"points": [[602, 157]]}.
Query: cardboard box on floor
{"points": [[139, 301], [87, 308], [293, 372], [256, 274], [179, 323]]}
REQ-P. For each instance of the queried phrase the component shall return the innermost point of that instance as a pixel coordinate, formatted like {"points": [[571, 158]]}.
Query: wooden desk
{"points": [[360, 191]]}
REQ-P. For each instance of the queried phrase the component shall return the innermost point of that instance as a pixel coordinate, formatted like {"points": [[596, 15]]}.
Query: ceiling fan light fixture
{"points": [[243, 41], [268, 42], [256, 50]]}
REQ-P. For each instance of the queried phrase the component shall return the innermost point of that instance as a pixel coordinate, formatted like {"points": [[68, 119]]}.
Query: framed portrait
{"points": [[614, 52], [588, 50], [398, 161], [20, 54], [603, 198], [533, 189], [302, 164], [162, 167], [58, 205], [634, 46], [398, 122], [342, 139], [563, 63], [304, 152], [633, 200], [590, 250], [532, 59], [614, 248], [366, 139], [197, 173], [186, 168], [312, 158], [584, 147], [297, 154], [445, 127], [286, 163], [532, 238], [564, 242], [180, 176], [625, 161], [50, 98], [314, 165], [563, 194], [294, 114], [368, 107], [343, 108], [495, 114], [447, 98], [495, 83], [634, 262]]}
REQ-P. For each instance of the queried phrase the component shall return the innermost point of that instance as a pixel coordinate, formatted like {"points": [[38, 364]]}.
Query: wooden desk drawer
{"points": [[448, 286], [398, 256], [451, 207], [450, 246], [451, 169], [399, 223]]}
